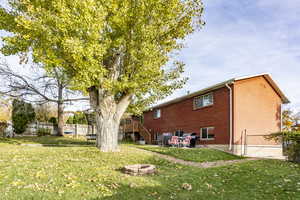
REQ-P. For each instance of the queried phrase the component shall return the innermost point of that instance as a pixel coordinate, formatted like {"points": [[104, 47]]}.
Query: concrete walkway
{"points": [[198, 164]]}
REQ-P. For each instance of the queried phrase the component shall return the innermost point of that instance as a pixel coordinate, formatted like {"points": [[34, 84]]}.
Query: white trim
{"points": [[156, 111], [230, 117], [201, 97], [281, 118], [205, 139], [202, 139], [251, 76], [222, 84]]}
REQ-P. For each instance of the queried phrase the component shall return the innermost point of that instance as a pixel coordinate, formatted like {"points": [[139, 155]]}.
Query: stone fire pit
{"points": [[139, 169]]}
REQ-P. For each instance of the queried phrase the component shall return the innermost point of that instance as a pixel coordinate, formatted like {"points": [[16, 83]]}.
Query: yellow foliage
{"points": [[5, 110]]}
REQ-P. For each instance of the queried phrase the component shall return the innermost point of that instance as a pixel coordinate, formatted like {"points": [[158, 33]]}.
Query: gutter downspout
{"points": [[231, 116], [281, 119]]}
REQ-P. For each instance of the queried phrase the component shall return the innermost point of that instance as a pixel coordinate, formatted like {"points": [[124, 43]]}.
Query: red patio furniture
{"points": [[174, 141], [186, 142]]}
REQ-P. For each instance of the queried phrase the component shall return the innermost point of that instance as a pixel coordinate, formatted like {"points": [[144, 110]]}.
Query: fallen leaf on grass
{"points": [[186, 186]]}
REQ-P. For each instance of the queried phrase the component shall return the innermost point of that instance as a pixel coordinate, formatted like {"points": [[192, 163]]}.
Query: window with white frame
{"points": [[179, 133], [207, 133], [157, 113], [204, 100]]}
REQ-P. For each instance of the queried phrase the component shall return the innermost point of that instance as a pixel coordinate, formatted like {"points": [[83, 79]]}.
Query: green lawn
{"points": [[83, 172], [195, 154], [46, 140]]}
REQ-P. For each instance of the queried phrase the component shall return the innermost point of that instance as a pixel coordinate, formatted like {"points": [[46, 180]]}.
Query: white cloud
{"points": [[242, 38]]}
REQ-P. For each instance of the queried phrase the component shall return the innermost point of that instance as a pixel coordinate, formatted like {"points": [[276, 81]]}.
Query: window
{"points": [[207, 133], [157, 114], [204, 100], [179, 133]]}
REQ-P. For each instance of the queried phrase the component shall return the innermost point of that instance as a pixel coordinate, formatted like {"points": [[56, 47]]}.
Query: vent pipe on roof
{"points": [[230, 117]]}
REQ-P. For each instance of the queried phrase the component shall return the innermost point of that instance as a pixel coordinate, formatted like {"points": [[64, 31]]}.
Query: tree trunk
{"points": [[60, 112], [108, 116], [107, 132], [60, 119]]}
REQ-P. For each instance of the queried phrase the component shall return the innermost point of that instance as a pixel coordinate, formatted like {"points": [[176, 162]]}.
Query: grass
{"points": [[83, 172], [195, 154], [53, 140]]}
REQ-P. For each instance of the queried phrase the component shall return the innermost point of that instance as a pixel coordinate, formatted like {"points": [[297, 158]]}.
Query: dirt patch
{"points": [[198, 164]]}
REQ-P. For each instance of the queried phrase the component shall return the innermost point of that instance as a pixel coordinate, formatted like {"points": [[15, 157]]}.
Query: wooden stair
{"points": [[145, 133]]}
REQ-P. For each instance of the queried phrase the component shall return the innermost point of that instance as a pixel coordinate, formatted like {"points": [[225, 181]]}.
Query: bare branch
{"points": [[78, 99], [39, 88]]}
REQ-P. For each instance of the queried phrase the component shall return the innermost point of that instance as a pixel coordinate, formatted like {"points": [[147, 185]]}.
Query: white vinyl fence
{"points": [[75, 129]]}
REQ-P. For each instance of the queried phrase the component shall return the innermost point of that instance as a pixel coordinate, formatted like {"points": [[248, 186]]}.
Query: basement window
{"points": [[207, 133], [203, 101], [157, 114]]}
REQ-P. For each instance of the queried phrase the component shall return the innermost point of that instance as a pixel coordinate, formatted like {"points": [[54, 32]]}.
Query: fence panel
{"points": [[74, 129], [257, 145]]}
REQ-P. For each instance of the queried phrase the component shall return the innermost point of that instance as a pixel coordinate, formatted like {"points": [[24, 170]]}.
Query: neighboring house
{"points": [[234, 115], [297, 123], [296, 127]]}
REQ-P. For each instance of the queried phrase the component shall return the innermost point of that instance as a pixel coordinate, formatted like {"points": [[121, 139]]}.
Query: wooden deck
{"points": [[135, 126]]}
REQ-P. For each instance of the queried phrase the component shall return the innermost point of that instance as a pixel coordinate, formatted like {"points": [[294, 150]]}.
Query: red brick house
{"points": [[234, 115]]}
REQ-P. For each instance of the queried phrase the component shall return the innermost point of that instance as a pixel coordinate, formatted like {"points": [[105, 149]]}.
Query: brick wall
{"points": [[182, 116]]}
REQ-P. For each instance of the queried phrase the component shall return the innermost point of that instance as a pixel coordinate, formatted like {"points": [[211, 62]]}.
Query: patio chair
{"points": [[186, 142], [174, 141]]}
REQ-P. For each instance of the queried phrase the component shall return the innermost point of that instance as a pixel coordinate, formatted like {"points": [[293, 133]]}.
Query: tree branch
{"points": [[77, 99], [42, 87], [123, 104]]}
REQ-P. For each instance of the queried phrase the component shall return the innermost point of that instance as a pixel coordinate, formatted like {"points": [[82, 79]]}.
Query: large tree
{"points": [[288, 120], [40, 88], [120, 52]]}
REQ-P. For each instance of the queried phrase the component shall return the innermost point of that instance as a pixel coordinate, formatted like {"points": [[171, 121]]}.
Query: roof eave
{"points": [[203, 91], [284, 99]]}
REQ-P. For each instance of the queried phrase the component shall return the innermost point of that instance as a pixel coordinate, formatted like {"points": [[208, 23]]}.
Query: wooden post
{"points": [[132, 122], [133, 136], [76, 134], [245, 142], [242, 144]]}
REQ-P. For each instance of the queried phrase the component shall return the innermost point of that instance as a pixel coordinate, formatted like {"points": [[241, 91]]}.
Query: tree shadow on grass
{"points": [[140, 193], [227, 182], [47, 141]]}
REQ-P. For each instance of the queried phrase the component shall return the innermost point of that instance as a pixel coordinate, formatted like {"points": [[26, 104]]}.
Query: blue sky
{"points": [[244, 37]]}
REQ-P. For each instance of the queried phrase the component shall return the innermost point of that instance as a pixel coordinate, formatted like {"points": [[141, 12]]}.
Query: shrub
{"points": [[291, 143], [53, 120], [22, 114], [43, 132]]}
